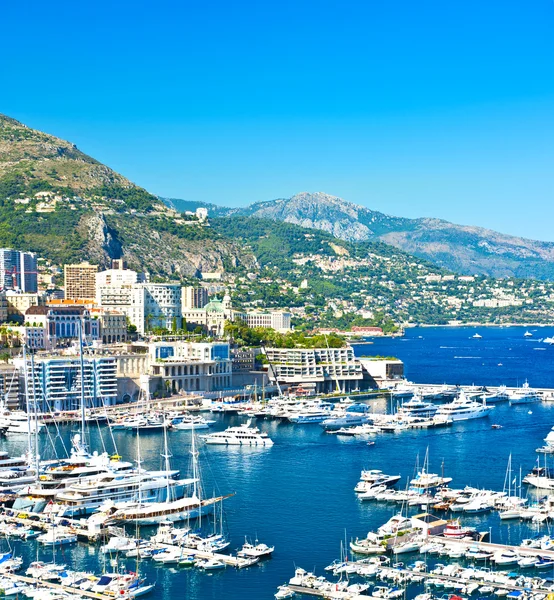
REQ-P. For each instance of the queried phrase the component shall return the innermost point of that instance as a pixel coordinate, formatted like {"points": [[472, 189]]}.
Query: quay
{"points": [[334, 595], [76, 527], [546, 393], [56, 586], [523, 550]]}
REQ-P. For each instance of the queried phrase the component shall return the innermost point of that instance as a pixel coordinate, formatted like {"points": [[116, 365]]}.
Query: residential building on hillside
{"points": [[147, 305], [278, 320], [57, 382], [80, 281], [18, 270], [327, 369]]}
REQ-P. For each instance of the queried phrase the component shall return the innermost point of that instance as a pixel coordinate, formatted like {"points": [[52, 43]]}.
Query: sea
{"points": [[298, 495]]}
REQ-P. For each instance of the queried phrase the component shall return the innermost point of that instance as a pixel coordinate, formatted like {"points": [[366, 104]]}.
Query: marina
{"points": [[298, 496]]}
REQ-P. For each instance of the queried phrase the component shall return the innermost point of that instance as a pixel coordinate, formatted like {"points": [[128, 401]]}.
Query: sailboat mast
{"points": [[82, 369], [26, 381], [139, 462], [194, 454], [36, 416], [167, 465]]}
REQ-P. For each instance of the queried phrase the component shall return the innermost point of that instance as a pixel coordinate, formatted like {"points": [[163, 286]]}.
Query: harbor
{"points": [[298, 494]]}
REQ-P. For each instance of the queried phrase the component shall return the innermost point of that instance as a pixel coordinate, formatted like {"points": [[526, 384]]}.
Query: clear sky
{"points": [[416, 108]]}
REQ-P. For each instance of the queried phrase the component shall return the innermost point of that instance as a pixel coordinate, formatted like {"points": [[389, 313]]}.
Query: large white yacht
{"points": [[464, 409], [83, 498], [18, 422], [524, 395], [417, 407], [244, 435]]}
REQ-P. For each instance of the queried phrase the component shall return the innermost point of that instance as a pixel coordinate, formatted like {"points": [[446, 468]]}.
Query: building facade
{"points": [[113, 327], [277, 320], [155, 305], [62, 323], [191, 366], [19, 302], [328, 369], [80, 281], [194, 297], [57, 382], [18, 270], [9, 386]]}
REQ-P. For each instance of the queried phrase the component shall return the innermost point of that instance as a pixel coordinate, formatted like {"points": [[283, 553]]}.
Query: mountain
{"points": [[66, 206], [458, 248]]}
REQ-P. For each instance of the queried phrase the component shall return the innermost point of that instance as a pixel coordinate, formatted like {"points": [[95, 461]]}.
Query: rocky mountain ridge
{"points": [[459, 248], [66, 206]]}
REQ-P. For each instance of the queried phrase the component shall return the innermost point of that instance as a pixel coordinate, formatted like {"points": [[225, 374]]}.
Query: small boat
{"points": [[211, 564], [527, 562], [476, 336], [53, 537], [544, 562], [496, 426], [527, 334], [283, 592], [255, 550]]}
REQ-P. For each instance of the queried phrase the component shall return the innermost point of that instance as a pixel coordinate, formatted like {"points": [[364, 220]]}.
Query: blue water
{"points": [[298, 495], [442, 354]]}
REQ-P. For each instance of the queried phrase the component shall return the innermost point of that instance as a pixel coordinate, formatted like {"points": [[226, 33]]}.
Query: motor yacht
{"points": [[417, 407], [464, 409], [188, 422], [244, 435], [524, 395]]}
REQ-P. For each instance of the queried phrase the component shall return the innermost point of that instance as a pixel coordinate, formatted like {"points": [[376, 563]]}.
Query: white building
{"points": [[147, 305], [191, 366], [326, 368], [280, 321], [155, 305], [57, 382], [116, 277]]}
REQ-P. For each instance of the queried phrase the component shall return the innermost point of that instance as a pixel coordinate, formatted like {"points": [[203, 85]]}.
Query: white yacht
{"points": [[417, 407], [524, 395], [500, 395], [464, 409], [18, 423], [188, 422], [405, 389], [83, 498], [244, 435]]}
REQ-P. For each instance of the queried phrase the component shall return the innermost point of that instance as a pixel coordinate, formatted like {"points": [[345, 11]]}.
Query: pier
{"points": [[57, 586]]}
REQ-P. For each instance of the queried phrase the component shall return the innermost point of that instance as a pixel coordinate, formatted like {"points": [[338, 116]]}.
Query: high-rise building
{"points": [[80, 281], [18, 270], [194, 297]]}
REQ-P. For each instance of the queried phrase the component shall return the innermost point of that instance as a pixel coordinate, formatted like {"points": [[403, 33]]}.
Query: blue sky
{"points": [[428, 108]]}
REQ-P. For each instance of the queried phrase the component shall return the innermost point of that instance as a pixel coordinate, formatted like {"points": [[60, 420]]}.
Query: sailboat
{"points": [[181, 509]]}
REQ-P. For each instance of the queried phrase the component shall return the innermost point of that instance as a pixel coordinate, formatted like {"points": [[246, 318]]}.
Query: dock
{"points": [[56, 586], [335, 595]]}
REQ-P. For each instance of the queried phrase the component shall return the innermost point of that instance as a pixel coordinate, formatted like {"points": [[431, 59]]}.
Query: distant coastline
{"points": [[501, 325]]}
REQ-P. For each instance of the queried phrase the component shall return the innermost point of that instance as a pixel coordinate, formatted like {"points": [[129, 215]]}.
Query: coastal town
{"points": [[277, 300]]}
